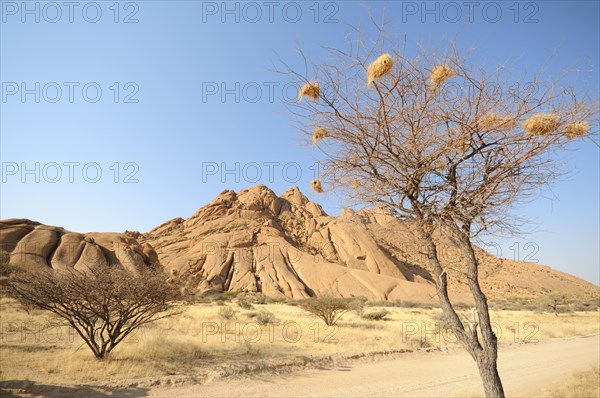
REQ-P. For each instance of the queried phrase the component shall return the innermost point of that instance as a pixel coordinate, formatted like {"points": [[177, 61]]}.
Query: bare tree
{"points": [[449, 146], [329, 309], [104, 305]]}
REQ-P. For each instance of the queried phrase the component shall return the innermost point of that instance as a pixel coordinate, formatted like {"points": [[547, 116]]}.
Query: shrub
{"points": [[358, 303], [377, 315], [329, 309], [227, 313], [265, 318], [104, 305], [245, 304]]}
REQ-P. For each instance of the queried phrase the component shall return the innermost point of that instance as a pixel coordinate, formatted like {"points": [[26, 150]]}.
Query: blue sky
{"points": [[129, 90]]}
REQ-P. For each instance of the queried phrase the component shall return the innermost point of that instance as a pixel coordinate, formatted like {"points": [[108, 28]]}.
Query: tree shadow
{"points": [[25, 388]]}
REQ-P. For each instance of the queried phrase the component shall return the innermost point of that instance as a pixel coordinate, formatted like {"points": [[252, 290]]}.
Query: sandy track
{"points": [[525, 369]]}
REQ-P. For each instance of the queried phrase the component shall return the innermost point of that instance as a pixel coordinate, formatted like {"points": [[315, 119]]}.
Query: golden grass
{"points": [[199, 344], [310, 90], [541, 123], [382, 66], [584, 384]]}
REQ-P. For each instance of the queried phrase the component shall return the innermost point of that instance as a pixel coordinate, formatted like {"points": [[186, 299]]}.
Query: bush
{"points": [[245, 304], [376, 315], [265, 318], [329, 309], [227, 313], [358, 303], [104, 305]]}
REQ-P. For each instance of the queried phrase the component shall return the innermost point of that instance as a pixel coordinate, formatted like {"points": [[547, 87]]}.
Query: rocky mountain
{"points": [[256, 241]]}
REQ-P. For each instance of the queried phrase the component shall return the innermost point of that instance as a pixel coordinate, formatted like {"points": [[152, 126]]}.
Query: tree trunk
{"points": [[484, 352], [488, 370], [487, 357]]}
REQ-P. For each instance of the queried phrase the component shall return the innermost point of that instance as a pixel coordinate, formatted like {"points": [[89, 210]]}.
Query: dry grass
{"points": [[584, 384], [382, 66], [200, 344], [541, 123]]}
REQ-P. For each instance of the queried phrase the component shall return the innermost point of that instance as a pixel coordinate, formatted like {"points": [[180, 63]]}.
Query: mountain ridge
{"points": [[286, 245]]}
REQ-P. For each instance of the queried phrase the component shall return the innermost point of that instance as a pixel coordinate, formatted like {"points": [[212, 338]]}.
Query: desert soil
{"points": [[526, 370]]}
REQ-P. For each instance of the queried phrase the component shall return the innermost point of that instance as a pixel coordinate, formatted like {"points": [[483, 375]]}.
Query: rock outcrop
{"points": [[32, 245], [256, 241]]}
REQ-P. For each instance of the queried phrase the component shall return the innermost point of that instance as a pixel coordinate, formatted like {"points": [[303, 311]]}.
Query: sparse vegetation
{"points": [[327, 308], [557, 302], [265, 317], [584, 384], [376, 315], [176, 344], [103, 305], [227, 313], [245, 304]]}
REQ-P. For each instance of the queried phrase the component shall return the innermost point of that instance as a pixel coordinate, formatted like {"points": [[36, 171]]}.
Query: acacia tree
{"points": [[104, 304], [445, 144]]}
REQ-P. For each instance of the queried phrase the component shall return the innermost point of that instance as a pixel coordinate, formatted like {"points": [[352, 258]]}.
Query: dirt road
{"points": [[525, 369]]}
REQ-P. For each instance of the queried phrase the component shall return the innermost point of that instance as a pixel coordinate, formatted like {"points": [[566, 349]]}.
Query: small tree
{"points": [[555, 301], [329, 309], [104, 305]]}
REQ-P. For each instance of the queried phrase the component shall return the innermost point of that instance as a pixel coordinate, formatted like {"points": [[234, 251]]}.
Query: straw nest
{"points": [[541, 123], [174, 271], [319, 134], [493, 121], [464, 145], [171, 281], [440, 74], [316, 186], [310, 90], [379, 68], [577, 129]]}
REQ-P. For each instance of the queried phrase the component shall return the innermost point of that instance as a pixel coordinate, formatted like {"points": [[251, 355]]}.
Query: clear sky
{"points": [[123, 115]]}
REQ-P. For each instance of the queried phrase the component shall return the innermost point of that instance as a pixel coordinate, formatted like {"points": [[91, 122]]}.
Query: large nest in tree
{"points": [[577, 129], [379, 68], [440, 74], [496, 122], [541, 123], [319, 134], [316, 186], [311, 90]]}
